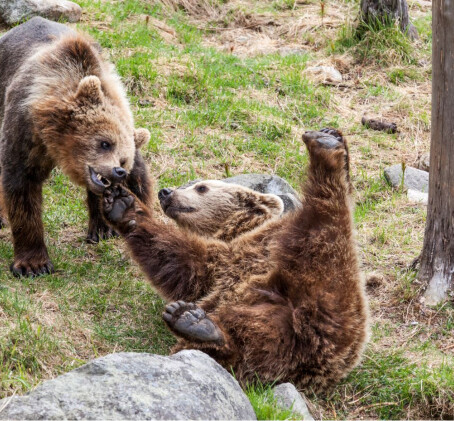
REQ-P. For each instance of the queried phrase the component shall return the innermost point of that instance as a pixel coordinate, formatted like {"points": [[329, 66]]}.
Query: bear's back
{"points": [[18, 44]]}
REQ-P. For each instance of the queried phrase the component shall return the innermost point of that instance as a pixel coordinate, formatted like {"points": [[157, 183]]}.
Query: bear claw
{"points": [[191, 322], [100, 232], [30, 270]]}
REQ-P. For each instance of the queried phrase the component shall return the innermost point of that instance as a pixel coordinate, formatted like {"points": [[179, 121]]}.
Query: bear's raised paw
{"points": [[325, 138], [191, 322], [116, 202]]}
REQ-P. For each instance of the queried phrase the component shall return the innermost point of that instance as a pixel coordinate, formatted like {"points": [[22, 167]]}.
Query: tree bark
{"points": [[384, 11], [437, 259]]}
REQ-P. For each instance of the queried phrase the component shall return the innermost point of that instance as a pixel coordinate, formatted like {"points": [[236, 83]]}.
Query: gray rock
{"points": [[132, 386], [414, 179], [424, 162], [289, 398], [17, 11], [269, 184], [288, 51], [323, 74], [417, 196]]}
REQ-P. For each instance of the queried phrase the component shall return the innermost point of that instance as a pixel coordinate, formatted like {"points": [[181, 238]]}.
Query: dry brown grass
{"points": [[390, 232]]}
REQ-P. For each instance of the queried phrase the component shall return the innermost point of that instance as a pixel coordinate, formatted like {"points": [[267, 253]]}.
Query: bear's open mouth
{"points": [[98, 179]]}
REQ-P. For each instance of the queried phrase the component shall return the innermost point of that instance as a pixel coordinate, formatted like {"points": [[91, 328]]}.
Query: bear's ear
{"points": [[141, 136], [89, 90], [273, 203]]}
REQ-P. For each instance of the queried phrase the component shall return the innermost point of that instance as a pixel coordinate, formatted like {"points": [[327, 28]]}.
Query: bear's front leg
{"points": [[2, 207], [97, 227], [23, 204]]}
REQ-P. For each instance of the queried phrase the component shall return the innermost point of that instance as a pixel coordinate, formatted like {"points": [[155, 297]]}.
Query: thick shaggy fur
{"points": [[215, 209], [282, 302], [61, 104]]}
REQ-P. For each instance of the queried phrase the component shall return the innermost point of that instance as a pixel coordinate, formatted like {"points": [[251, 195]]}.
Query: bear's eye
{"points": [[201, 189], [106, 145]]}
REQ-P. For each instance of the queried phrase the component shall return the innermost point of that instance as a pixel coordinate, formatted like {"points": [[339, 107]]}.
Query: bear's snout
{"points": [[119, 174], [164, 194]]}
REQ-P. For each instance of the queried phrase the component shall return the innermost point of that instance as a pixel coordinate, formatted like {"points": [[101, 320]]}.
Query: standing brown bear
{"points": [[283, 301], [61, 105]]}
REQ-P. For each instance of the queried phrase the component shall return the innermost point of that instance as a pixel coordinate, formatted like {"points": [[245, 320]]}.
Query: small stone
{"points": [[424, 162], [288, 51], [324, 74], [417, 196], [136, 386], [16, 11], [289, 398], [242, 39], [414, 179], [146, 103]]}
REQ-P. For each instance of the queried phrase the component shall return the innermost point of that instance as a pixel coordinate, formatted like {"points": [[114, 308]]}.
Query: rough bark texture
{"points": [[437, 260], [385, 10]]}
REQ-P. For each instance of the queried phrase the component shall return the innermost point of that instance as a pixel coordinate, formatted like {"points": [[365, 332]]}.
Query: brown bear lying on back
{"points": [[61, 105], [283, 301]]}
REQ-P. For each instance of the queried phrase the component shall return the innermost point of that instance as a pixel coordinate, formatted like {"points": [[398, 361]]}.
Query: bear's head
{"points": [[90, 133], [217, 209]]}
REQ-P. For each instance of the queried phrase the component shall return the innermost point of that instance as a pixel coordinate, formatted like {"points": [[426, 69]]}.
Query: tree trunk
{"points": [[385, 11], [437, 259]]}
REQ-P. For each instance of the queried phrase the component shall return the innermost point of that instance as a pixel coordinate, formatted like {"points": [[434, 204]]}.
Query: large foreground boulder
{"points": [[17, 11], [132, 386]]}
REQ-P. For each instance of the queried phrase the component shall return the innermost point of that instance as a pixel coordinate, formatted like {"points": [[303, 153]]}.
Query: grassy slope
{"points": [[223, 102]]}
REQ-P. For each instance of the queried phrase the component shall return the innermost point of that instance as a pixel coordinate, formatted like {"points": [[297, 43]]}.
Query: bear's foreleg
{"points": [[24, 206], [177, 263], [138, 181], [2, 206], [97, 227]]}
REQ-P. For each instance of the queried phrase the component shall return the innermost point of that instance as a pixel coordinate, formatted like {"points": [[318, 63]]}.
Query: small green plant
{"points": [[265, 405], [381, 43]]}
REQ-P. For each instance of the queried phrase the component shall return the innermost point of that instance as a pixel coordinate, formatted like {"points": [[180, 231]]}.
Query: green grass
{"points": [[382, 44], [392, 385], [214, 113], [265, 405]]}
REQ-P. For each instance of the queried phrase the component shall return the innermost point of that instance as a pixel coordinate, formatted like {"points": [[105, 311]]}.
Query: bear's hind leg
{"points": [[191, 322], [329, 163]]}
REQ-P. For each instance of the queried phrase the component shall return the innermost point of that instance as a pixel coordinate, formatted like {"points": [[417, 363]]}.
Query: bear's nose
{"points": [[119, 173], [164, 193]]}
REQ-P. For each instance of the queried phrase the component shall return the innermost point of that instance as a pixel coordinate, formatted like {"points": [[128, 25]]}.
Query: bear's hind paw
{"points": [[325, 138], [191, 322]]}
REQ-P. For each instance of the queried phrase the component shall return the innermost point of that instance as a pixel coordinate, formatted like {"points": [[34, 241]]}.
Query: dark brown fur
{"points": [[286, 300], [59, 100]]}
